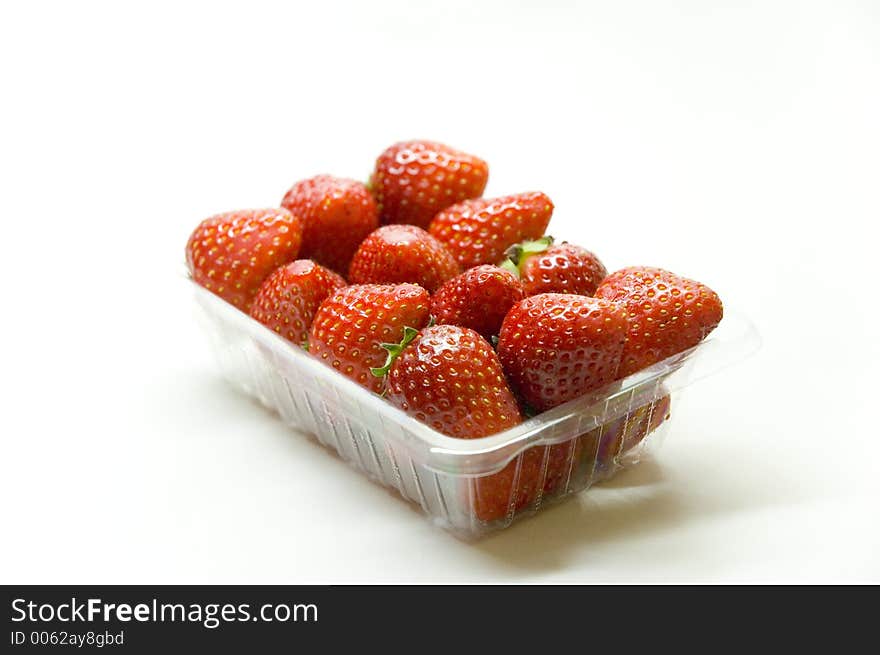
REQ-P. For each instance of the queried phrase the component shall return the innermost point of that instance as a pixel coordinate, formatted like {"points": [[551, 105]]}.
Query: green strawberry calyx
{"points": [[529, 411], [517, 254], [394, 350]]}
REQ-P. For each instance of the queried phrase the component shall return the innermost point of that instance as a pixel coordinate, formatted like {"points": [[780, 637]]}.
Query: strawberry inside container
{"points": [[470, 487]]}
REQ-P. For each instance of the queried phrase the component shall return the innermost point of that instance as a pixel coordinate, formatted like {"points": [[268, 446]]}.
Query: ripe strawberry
{"points": [[518, 485], [413, 180], [494, 496], [562, 268], [337, 214], [352, 324], [555, 347], [288, 299], [231, 254], [479, 231], [624, 434], [477, 299], [450, 378], [402, 253], [667, 313]]}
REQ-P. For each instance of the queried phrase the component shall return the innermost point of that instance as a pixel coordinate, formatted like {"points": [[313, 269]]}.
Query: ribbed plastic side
{"points": [[469, 506]]}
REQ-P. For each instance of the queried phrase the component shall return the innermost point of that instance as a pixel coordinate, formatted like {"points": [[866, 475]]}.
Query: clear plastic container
{"points": [[469, 486]]}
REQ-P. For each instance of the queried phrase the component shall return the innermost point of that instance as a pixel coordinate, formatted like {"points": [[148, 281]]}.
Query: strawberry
{"points": [[351, 325], [479, 231], [413, 180], [519, 484], [555, 347], [562, 268], [288, 299], [477, 299], [450, 378], [622, 435], [667, 313], [337, 214], [231, 254], [402, 253]]}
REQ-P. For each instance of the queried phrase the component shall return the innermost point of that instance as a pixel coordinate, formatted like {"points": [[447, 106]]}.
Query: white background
{"points": [[733, 142]]}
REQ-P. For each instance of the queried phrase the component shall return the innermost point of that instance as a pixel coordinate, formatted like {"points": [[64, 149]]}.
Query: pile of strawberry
{"points": [[458, 309]]}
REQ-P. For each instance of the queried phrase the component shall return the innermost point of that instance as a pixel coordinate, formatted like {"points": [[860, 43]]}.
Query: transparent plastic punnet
{"points": [[468, 486]]}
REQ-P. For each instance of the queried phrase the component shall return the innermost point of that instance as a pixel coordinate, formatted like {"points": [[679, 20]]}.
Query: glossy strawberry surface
{"points": [[666, 313], [561, 268], [413, 180], [400, 254], [450, 378], [478, 299], [337, 215], [232, 254], [479, 231], [351, 325], [556, 347], [288, 299]]}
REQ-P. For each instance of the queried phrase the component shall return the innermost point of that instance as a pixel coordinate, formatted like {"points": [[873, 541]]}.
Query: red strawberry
{"points": [[352, 324], [450, 378], [479, 231], [477, 299], [562, 268], [555, 347], [667, 313], [231, 254], [288, 299], [622, 435], [413, 180], [518, 485], [402, 253], [337, 214]]}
